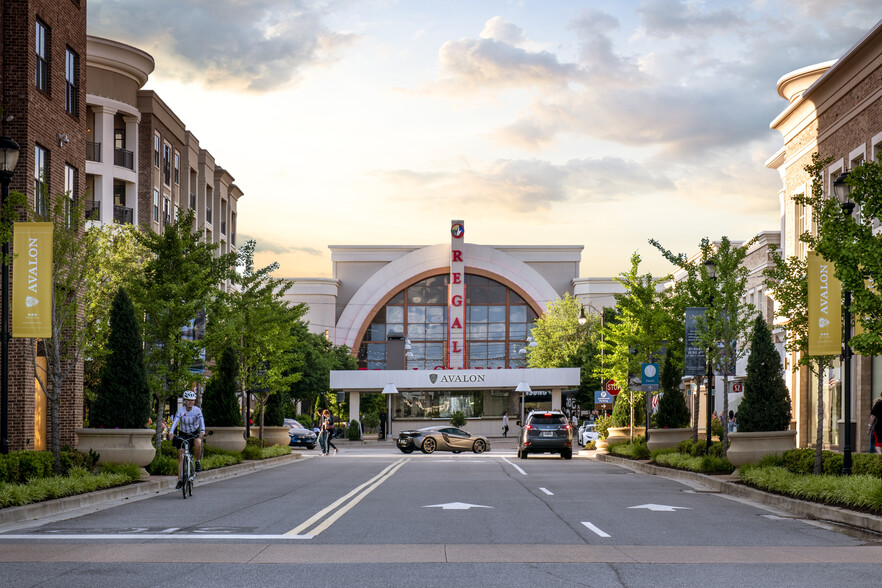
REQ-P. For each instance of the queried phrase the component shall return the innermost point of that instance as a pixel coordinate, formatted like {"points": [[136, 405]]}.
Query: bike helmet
{"points": [[189, 395]]}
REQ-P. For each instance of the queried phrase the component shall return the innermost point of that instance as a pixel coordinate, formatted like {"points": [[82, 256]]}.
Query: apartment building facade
{"points": [[833, 109]]}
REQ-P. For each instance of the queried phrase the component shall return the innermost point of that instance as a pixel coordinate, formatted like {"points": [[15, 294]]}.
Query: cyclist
{"points": [[192, 424]]}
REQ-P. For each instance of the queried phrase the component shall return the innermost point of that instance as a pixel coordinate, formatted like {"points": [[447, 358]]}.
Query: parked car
{"points": [[441, 438], [546, 431], [587, 433], [300, 435]]}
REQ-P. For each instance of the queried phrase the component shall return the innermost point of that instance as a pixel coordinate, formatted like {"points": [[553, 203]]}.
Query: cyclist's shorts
{"points": [[180, 436]]}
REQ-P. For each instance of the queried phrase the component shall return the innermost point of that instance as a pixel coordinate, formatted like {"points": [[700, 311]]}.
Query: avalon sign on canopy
{"points": [[32, 280]]}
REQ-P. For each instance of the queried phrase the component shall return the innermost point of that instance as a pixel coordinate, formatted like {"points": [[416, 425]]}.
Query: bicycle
{"points": [[189, 469]]}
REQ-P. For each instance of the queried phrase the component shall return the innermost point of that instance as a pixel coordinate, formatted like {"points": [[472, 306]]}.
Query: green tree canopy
{"points": [[219, 403]]}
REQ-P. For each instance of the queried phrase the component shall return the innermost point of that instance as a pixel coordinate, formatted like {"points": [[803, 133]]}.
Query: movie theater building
{"points": [[452, 306]]}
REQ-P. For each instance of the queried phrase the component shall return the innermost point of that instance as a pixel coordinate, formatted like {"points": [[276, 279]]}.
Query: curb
{"points": [[804, 508], [153, 485]]}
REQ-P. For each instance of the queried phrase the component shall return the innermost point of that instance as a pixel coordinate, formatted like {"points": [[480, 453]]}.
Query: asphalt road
{"points": [[372, 516]]}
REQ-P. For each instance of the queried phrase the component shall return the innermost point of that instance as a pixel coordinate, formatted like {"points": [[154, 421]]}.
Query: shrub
{"points": [[122, 399], [457, 419], [371, 420], [621, 413], [717, 428], [602, 425], [802, 461], [766, 402], [305, 420], [219, 404], [274, 416], [353, 433], [635, 450]]}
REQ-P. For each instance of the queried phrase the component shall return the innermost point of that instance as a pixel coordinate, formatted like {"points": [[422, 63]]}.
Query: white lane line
{"points": [[170, 530], [172, 536], [506, 460], [547, 491], [595, 529], [365, 489]]}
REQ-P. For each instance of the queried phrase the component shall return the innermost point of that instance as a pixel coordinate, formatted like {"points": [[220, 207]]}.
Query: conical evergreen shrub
{"points": [[672, 410], [122, 400], [220, 406], [766, 402], [275, 414]]}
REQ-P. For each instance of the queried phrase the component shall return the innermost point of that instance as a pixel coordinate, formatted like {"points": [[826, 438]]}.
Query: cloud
{"points": [[529, 185], [263, 245], [258, 46], [673, 18]]}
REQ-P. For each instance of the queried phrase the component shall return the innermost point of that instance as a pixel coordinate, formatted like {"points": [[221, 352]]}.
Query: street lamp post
{"points": [[9, 152], [711, 269], [842, 190], [388, 390]]}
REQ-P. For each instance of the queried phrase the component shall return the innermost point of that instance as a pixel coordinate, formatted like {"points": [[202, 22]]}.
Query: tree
{"points": [[672, 410], [846, 238], [219, 402], [258, 324], [182, 274], [641, 332], [766, 402], [562, 342], [123, 396], [724, 330]]}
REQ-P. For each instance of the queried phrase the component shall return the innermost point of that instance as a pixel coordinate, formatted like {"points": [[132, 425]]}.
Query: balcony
{"points": [[93, 151], [124, 158], [93, 210], [123, 215], [208, 215]]}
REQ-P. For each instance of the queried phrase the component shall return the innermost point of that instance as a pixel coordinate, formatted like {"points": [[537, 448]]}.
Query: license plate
{"points": [[548, 433]]}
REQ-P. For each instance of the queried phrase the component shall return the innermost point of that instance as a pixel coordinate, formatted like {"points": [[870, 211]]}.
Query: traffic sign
{"points": [[649, 374], [613, 388], [603, 399]]}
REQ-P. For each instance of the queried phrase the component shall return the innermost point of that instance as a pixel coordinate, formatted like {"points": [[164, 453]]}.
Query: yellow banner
{"points": [[824, 308], [32, 280]]}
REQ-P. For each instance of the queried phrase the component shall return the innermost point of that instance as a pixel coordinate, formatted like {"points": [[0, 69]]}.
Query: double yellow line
{"points": [[356, 496]]}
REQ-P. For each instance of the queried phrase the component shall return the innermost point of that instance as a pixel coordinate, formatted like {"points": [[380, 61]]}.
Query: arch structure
{"points": [[491, 262]]}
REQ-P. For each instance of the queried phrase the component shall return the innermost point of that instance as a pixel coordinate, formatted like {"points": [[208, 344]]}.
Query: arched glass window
{"points": [[498, 322]]}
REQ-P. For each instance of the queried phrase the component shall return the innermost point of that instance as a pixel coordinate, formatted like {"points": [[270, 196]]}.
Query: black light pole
{"points": [[842, 190], [9, 151], [711, 269]]}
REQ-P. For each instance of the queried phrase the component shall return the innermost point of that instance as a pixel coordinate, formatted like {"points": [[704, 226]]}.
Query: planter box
{"points": [[619, 434], [751, 447], [118, 445], [664, 438], [602, 445], [273, 435], [228, 438]]}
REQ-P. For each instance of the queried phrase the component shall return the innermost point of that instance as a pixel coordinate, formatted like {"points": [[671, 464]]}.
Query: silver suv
{"points": [[546, 431]]}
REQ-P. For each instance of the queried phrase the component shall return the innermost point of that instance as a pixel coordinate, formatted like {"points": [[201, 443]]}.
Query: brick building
{"points": [[42, 86], [834, 109]]}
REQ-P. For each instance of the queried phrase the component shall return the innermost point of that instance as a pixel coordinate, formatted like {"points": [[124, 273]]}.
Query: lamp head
{"points": [[582, 318], [711, 268], [9, 152], [840, 189]]}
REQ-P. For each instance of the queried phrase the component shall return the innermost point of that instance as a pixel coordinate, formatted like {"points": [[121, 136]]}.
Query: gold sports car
{"points": [[443, 438]]}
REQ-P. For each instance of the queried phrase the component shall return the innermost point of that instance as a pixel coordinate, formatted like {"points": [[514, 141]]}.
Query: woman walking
{"points": [[328, 432]]}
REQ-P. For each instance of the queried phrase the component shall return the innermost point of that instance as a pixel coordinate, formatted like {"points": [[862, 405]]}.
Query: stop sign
{"points": [[613, 388]]}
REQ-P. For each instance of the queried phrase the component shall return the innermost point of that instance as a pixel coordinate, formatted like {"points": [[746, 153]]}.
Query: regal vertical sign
{"points": [[456, 297], [32, 280]]}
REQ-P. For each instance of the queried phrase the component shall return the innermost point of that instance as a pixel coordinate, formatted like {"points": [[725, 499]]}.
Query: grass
{"points": [[861, 492], [78, 481]]}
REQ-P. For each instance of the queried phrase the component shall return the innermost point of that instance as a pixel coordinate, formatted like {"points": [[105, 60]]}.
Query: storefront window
{"points": [[441, 404], [498, 322]]}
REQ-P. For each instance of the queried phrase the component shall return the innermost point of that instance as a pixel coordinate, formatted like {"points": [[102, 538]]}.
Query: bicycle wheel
{"points": [[186, 474]]}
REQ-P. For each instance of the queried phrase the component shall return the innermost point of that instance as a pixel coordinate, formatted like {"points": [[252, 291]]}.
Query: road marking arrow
{"points": [[661, 507], [456, 506]]}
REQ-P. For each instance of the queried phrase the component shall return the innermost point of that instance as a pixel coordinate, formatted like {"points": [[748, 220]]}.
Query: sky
{"points": [[550, 122]]}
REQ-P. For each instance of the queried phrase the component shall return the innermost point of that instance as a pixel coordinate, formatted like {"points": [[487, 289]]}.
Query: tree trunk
{"points": [[160, 418], [819, 458], [724, 418]]}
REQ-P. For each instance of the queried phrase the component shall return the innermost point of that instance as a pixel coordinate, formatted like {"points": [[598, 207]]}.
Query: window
{"points": [[177, 168], [41, 184], [42, 49], [71, 75], [119, 138], [119, 194], [156, 150], [70, 190], [165, 212], [155, 205], [166, 165]]}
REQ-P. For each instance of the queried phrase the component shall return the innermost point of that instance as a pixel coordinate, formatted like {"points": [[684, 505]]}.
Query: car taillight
{"points": [[528, 427]]}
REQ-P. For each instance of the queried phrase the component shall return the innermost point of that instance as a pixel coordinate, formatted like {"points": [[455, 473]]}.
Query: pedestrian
{"points": [[382, 435], [317, 428], [505, 424], [328, 432], [733, 425], [875, 426]]}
